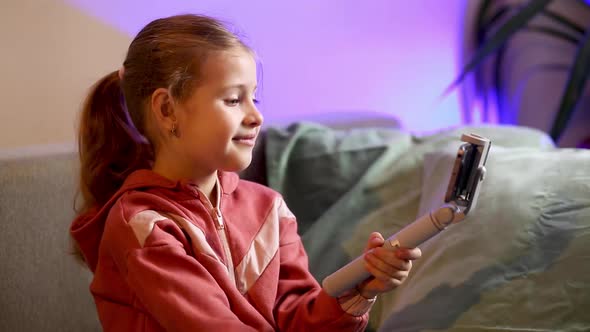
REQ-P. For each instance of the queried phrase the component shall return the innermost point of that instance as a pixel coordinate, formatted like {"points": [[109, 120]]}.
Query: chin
{"points": [[238, 164]]}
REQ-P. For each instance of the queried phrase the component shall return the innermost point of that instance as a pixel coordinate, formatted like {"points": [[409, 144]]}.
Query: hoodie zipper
{"points": [[215, 213], [223, 238]]}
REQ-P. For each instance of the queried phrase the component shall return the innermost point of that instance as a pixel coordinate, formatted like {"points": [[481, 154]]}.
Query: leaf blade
{"points": [[512, 25], [579, 74]]}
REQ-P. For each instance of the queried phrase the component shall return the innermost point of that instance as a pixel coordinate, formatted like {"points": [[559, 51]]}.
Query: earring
{"points": [[174, 130]]}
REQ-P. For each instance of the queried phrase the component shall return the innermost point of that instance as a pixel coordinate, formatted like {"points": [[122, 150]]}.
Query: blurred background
{"points": [[333, 57]]}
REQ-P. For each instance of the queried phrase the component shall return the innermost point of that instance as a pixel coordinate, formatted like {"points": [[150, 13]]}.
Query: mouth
{"points": [[248, 140]]}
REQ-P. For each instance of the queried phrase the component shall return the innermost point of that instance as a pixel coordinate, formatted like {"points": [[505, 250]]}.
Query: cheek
{"points": [[229, 120]]}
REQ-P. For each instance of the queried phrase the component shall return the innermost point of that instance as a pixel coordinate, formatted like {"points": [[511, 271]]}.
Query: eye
{"points": [[232, 102]]}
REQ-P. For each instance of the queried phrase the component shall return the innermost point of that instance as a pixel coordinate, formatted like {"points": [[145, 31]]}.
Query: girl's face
{"points": [[218, 124]]}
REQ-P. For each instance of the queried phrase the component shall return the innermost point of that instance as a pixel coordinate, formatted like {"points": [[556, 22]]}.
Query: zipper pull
{"points": [[219, 219]]}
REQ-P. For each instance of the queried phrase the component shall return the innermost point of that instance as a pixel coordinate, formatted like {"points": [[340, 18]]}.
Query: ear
{"points": [[162, 107]]}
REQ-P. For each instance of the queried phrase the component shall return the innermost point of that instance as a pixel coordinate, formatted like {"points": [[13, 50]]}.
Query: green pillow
{"points": [[312, 165], [521, 259]]}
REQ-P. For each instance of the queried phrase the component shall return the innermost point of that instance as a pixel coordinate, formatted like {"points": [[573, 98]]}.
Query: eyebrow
{"points": [[238, 86]]}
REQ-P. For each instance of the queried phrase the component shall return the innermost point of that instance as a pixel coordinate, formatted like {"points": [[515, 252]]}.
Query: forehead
{"points": [[233, 67]]}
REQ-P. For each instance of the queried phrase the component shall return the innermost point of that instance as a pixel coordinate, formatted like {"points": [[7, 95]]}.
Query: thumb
{"points": [[375, 240]]}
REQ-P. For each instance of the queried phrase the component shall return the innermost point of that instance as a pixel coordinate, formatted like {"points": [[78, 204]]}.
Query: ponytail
{"points": [[110, 146], [168, 53]]}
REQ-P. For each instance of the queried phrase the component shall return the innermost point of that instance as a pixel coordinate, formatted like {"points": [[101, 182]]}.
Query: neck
{"points": [[205, 181], [207, 187]]}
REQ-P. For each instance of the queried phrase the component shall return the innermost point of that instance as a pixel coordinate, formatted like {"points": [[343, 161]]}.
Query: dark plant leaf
{"points": [[512, 25], [486, 25], [564, 21], [576, 82], [483, 8], [555, 33], [498, 86]]}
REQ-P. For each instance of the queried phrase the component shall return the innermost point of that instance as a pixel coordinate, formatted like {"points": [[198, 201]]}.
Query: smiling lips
{"points": [[245, 139]]}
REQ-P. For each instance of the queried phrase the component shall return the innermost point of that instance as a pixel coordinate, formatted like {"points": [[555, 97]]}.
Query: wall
{"points": [[391, 56], [51, 54], [533, 72]]}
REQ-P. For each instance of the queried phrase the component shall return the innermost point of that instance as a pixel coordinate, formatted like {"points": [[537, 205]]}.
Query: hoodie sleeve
{"points": [[177, 290], [302, 305]]}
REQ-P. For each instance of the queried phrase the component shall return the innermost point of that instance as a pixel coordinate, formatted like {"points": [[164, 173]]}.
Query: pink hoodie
{"points": [[164, 258]]}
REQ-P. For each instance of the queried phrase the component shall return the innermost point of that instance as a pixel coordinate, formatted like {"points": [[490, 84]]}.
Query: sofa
{"points": [[521, 243], [44, 286]]}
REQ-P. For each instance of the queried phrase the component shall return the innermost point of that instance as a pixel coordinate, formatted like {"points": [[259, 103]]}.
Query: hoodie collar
{"points": [[87, 228], [227, 180]]}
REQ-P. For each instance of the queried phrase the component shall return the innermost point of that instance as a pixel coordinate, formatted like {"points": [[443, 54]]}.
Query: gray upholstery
{"points": [[43, 287]]}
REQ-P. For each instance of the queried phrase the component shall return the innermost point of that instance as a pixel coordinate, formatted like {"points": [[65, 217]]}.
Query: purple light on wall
{"points": [[333, 56]]}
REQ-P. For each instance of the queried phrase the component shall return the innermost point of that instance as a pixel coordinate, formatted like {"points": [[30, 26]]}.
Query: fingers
{"points": [[389, 268], [384, 272], [387, 261], [382, 281], [408, 254], [386, 264], [375, 240]]}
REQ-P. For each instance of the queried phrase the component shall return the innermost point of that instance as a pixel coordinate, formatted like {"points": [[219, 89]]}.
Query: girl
{"points": [[175, 240]]}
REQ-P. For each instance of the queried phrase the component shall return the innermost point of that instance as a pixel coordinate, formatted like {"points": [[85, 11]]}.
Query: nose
{"points": [[253, 117]]}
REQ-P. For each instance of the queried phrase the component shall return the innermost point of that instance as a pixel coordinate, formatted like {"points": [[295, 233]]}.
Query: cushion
{"points": [[313, 165], [43, 287], [521, 259]]}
